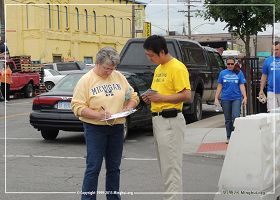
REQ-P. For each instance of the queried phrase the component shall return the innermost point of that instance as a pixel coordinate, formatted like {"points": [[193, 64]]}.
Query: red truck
{"points": [[23, 82]]}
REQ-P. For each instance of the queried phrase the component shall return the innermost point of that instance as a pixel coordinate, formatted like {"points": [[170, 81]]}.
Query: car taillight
{"points": [[44, 102]]}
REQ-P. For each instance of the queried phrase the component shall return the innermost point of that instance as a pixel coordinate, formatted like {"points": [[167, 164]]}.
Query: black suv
{"points": [[203, 63]]}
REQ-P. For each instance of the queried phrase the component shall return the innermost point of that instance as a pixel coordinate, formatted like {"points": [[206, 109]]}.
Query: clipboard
{"points": [[120, 115]]}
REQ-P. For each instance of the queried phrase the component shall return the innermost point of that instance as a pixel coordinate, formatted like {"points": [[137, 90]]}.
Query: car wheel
{"points": [[125, 131], [197, 114], [49, 134], [28, 91], [49, 85]]}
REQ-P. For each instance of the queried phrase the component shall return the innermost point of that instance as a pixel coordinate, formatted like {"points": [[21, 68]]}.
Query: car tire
{"points": [[125, 127], [49, 134], [197, 114], [28, 91], [49, 85]]}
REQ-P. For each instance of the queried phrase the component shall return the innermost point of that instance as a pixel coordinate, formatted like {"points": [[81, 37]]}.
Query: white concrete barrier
{"points": [[251, 168]]}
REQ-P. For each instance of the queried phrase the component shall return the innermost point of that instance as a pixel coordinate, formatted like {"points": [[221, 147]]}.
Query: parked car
{"points": [[66, 67], [52, 111], [51, 77], [203, 63]]}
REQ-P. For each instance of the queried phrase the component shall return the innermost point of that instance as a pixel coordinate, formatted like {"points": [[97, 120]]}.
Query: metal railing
{"points": [[252, 70]]}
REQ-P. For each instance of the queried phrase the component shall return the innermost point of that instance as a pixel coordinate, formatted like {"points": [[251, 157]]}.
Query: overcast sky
{"points": [[156, 13]]}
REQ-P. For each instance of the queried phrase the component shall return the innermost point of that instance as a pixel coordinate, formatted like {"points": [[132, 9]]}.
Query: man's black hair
{"points": [[276, 43], [156, 44]]}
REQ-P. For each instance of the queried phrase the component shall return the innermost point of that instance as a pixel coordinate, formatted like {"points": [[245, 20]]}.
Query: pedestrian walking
{"points": [[4, 51], [98, 94], [1, 96], [233, 94], [271, 75], [6, 81], [170, 88]]}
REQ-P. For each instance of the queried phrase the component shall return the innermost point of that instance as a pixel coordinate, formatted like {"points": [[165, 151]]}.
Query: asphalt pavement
{"points": [[36, 169]]}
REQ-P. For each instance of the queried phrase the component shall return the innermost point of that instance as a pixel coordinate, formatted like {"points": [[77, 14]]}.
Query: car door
{"points": [[143, 114], [216, 63]]}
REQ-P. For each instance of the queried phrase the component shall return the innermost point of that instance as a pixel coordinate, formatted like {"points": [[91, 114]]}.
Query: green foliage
{"points": [[243, 20]]}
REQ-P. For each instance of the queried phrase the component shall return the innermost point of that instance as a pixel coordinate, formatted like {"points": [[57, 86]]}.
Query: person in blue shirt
{"points": [[231, 87], [271, 74]]}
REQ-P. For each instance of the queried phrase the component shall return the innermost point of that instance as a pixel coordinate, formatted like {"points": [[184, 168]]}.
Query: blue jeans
{"points": [[107, 142], [231, 110]]}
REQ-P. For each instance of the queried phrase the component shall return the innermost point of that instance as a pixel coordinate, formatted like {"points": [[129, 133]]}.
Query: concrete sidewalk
{"points": [[206, 137]]}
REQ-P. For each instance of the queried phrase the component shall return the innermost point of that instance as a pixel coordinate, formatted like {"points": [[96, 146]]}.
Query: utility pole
{"points": [[188, 15], [189, 20], [2, 20], [168, 17], [133, 19]]}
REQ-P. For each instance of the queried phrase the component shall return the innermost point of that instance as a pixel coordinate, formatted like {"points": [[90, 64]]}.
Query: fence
{"points": [[252, 70]]}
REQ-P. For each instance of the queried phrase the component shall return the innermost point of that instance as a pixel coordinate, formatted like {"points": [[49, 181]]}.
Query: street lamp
{"points": [[199, 25]]}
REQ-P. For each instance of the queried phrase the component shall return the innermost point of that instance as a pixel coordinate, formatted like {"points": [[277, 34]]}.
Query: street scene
{"points": [[55, 168], [138, 99]]}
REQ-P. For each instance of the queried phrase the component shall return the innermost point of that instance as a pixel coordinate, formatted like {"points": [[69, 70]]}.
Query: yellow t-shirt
{"points": [[95, 92], [170, 78]]}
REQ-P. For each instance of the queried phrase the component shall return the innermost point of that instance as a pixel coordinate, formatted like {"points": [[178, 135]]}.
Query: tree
{"points": [[243, 20]]}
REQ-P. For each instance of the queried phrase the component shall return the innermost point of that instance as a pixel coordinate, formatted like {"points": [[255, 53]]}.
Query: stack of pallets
{"points": [[23, 63], [42, 87]]}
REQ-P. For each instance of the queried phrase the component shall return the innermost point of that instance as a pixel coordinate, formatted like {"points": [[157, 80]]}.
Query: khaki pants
{"points": [[169, 137]]}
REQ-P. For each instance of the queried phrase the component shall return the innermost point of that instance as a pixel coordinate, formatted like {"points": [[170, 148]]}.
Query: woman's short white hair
{"points": [[107, 55]]}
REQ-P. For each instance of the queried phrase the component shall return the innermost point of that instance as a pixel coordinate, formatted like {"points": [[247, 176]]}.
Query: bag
{"points": [[262, 99], [169, 113]]}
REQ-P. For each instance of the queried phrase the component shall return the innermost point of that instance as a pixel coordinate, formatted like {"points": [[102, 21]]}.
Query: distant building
{"points": [[260, 45], [52, 31]]}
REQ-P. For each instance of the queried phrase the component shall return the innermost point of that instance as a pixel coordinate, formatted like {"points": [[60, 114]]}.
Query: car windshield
{"points": [[135, 54], [68, 83], [54, 72]]}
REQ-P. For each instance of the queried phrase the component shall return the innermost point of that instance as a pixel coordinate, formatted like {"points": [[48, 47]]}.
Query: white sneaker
{"points": [[6, 101]]}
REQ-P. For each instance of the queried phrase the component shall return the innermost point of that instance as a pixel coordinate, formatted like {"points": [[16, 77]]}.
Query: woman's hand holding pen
{"points": [[104, 114]]}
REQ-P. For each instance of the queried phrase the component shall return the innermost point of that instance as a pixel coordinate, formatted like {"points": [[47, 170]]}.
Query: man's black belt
{"points": [[160, 113]]}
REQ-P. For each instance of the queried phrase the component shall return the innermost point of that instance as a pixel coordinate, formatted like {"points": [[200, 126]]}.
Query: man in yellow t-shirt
{"points": [[171, 87]]}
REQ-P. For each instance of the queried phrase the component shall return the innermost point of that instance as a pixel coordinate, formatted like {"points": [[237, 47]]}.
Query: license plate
{"points": [[64, 105]]}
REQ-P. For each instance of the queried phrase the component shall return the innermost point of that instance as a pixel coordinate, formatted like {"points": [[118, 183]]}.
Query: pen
{"points": [[102, 108]]}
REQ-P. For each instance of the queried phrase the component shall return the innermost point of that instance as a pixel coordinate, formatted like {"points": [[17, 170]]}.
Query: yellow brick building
{"points": [[54, 30]]}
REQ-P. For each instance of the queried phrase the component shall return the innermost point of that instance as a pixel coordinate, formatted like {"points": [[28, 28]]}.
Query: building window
{"points": [[129, 27], [86, 15], [94, 21], [77, 19], [57, 58], [27, 16], [88, 60], [106, 24], [66, 16], [121, 26], [58, 17], [50, 15], [112, 24]]}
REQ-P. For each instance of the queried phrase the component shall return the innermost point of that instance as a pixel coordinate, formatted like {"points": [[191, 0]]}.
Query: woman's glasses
{"points": [[230, 63]]}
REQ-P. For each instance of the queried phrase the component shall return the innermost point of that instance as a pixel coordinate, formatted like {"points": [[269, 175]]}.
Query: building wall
{"points": [[67, 28]]}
